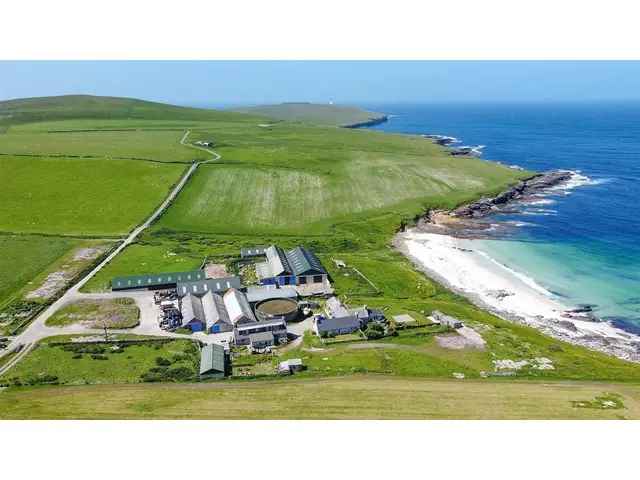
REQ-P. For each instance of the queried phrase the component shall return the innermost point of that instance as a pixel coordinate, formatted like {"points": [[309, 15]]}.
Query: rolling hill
{"points": [[319, 114]]}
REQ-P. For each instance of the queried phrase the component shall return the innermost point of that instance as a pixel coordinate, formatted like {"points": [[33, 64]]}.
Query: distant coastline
{"points": [[368, 123]]}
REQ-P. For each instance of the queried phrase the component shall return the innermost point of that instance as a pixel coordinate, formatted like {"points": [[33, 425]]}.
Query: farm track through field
{"points": [[37, 330]]}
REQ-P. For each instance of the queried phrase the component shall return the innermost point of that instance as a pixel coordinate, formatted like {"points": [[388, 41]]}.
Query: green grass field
{"points": [[23, 257], [357, 397], [304, 180], [81, 197], [319, 114], [78, 364], [157, 145]]}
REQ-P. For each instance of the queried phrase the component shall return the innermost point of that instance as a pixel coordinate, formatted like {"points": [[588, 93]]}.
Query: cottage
{"points": [[278, 328], [238, 307], [214, 362], [323, 326], [298, 266]]}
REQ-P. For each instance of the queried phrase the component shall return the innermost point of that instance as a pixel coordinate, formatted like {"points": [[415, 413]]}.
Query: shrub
{"points": [[77, 356], [162, 362], [98, 356]]}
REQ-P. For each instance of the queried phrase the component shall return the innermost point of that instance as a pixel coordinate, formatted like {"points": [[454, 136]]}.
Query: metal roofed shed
{"points": [[261, 340], [214, 362], [238, 307], [156, 280], [291, 366], [261, 293], [202, 286], [252, 252]]}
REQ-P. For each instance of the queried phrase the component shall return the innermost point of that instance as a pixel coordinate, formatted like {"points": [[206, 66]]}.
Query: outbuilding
{"points": [[214, 362]]}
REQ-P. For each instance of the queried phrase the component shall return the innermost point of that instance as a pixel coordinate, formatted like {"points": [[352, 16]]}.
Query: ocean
{"points": [[581, 244]]}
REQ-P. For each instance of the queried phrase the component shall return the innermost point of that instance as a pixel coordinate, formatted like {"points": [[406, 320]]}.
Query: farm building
{"points": [[256, 294], [298, 266], [214, 362], [278, 328], [156, 280], [252, 252], [341, 320], [204, 285], [192, 313], [290, 366], [323, 326], [238, 307], [215, 313]]}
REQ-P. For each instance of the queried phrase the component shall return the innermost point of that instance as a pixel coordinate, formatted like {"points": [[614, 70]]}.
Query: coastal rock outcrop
{"points": [[527, 187]]}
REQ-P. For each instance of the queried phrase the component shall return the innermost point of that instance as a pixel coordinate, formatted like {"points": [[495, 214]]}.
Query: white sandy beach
{"points": [[461, 266]]}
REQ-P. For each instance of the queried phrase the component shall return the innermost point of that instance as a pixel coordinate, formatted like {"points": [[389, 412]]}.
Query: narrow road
{"points": [[37, 330]]}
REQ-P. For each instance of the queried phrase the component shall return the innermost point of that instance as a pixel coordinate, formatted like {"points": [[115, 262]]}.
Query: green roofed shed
{"points": [[213, 361], [156, 280]]}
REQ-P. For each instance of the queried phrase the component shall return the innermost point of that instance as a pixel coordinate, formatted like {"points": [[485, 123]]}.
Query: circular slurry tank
{"points": [[277, 308]]}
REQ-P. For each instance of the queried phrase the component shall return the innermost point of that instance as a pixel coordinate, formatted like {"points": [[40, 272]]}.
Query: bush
{"points": [[374, 331], [98, 356], [77, 356], [162, 362]]}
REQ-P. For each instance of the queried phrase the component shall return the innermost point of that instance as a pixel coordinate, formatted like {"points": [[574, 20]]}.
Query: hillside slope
{"points": [[320, 114], [65, 107]]}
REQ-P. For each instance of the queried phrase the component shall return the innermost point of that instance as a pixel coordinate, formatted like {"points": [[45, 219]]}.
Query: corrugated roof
{"points": [[261, 337], [208, 285], [304, 261], [156, 279], [212, 359], [238, 307], [268, 292], [253, 251]]}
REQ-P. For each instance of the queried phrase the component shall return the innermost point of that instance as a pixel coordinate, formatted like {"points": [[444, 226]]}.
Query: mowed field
{"points": [[275, 181], [23, 257], [81, 197], [157, 145], [360, 397]]}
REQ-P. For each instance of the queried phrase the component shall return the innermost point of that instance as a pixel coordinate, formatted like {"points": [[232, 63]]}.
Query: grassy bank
{"points": [[359, 397]]}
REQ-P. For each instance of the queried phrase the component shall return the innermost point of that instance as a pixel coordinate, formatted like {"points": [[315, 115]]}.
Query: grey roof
{"points": [[268, 292], [187, 308], [205, 285], [304, 261], [261, 337], [278, 262], [337, 323], [238, 307], [214, 310], [155, 279], [212, 359], [273, 323]]}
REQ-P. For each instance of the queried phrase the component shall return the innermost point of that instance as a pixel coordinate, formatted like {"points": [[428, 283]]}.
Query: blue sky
{"points": [[211, 83]]}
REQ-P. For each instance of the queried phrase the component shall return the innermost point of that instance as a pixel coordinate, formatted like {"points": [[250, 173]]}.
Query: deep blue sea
{"points": [[582, 245]]}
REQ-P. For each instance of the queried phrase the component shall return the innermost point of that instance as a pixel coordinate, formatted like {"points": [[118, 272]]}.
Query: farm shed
{"points": [[323, 326], [214, 362], [216, 317], [156, 280], [238, 307], [252, 252], [298, 266], [202, 286], [290, 366], [192, 313], [256, 294]]}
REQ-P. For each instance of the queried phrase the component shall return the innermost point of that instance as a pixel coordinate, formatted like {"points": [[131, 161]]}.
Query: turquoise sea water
{"points": [[583, 244]]}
